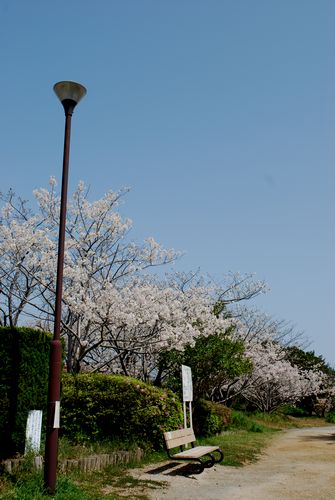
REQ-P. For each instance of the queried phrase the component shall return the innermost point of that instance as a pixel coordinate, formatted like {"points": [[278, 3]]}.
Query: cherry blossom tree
{"points": [[325, 400], [114, 316], [125, 328], [97, 254], [23, 242], [253, 325], [274, 381], [139, 321]]}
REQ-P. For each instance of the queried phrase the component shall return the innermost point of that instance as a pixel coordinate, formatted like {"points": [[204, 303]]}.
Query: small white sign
{"points": [[57, 415], [186, 373], [33, 431]]}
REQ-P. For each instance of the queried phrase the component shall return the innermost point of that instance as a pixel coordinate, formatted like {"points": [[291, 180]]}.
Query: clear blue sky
{"points": [[219, 114]]}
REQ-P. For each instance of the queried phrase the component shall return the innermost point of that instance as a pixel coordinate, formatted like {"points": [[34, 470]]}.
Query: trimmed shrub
{"points": [[210, 418], [294, 411], [24, 372], [330, 417], [242, 420], [99, 407]]}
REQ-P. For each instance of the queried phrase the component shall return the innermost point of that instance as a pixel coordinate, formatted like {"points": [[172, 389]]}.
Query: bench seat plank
{"points": [[197, 452]]}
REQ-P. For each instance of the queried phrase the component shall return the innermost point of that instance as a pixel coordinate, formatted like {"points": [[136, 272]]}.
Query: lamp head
{"points": [[69, 93]]}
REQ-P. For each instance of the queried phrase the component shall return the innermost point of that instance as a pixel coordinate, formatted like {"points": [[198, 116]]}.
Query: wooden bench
{"points": [[182, 437]]}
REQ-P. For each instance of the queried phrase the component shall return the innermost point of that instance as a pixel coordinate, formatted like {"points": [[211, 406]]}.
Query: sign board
{"points": [[33, 431], [186, 374]]}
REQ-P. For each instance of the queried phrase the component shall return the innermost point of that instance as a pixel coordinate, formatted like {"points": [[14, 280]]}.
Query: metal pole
{"points": [[51, 445]]}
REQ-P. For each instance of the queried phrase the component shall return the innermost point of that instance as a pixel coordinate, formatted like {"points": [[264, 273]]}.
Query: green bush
{"points": [[240, 420], [210, 418], [330, 417], [245, 421], [99, 407], [294, 411], [24, 373], [254, 427]]}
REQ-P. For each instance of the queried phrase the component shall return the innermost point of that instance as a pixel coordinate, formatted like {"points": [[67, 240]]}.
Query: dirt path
{"points": [[299, 464]]}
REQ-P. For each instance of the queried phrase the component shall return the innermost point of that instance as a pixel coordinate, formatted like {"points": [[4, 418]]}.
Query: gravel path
{"points": [[299, 464]]}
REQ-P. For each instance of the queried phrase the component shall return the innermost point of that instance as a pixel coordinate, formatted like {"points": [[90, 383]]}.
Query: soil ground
{"points": [[299, 464]]}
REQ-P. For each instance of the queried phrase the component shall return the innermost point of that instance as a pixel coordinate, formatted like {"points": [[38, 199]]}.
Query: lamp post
{"points": [[69, 93]]}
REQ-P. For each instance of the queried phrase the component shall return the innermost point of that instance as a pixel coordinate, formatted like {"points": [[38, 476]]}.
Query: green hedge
{"points": [[99, 407], [24, 373], [330, 417], [210, 418], [294, 411]]}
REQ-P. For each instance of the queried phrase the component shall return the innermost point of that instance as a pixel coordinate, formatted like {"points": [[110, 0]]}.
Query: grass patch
{"points": [[110, 484], [113, 483], [243, 421], [30, 487], [281, 421]]}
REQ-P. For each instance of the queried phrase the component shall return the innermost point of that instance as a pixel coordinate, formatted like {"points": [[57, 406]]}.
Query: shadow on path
{"points": [[174, 469], [321, 437]]}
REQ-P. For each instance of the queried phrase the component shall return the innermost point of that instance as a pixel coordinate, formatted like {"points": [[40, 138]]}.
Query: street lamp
{"points": [[69, 93]]}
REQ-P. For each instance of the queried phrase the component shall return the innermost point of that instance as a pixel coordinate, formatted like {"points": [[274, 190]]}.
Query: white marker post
{"points": [[33, 431], [186, 374]]}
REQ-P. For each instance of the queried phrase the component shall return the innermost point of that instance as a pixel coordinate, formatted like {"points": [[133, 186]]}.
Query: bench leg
{"points": [[221, 455], [201, 466], [210, 462]]}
